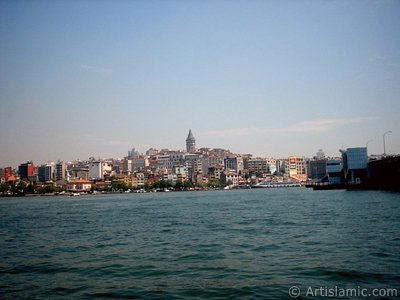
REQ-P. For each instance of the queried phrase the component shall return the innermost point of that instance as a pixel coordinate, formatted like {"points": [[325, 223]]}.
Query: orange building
{"points": [[26, 171]]}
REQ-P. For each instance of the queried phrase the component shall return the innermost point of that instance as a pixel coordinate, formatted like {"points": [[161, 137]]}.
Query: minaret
{"points": [[190, 143]]}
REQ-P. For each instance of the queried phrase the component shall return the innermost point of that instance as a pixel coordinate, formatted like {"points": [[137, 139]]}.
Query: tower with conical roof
{"points": [[190, 143]]}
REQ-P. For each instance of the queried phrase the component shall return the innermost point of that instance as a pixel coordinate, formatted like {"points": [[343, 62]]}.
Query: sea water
{"points": [[243, 244]]}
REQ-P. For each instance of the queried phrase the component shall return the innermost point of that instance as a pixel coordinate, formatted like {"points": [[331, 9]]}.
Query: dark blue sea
{"points": [[243, 244]]}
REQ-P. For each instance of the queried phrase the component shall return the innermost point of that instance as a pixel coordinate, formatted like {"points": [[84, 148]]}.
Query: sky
{"points": [[82, 79]]}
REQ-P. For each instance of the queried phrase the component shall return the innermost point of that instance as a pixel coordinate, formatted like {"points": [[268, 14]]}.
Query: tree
{"points": [[116, 185], [155, 185], [179, 185], [214, 183], [21, 188], [30, 189], [164, 184], [229, 183], [49, 189], [187, 184], [4, 188]]}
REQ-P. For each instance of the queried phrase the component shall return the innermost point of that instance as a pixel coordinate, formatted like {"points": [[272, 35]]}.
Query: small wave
{"points": [[350, 275], [381, 254], [40, 268]]}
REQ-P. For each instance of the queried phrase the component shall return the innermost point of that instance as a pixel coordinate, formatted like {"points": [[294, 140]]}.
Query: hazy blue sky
{"points": [[272, 78]]}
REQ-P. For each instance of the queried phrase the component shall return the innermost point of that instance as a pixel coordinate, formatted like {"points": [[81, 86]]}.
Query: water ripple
{"points": [[208, 245]]}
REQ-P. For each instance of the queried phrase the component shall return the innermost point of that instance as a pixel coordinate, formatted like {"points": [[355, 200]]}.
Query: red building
{"points": [[26, 171]]}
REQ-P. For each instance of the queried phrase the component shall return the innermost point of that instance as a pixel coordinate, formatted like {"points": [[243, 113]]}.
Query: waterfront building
{"points": [[138, 179], [106, 169], [234, 163], [256, 166], [79, 185], [101, 185], [301, 166], [230, 176], [295, 167], [194, 164], [78, 172], [169, 177], [99, 169], [190, 143], [272, 169], [163, 174], [281, 166], [216, 171], [384, 173], [95, 170], [45, 173], [291, 166], [181, 172], [355, 162], [27, 170], [316, 169], [334, 170], [60, 170]]}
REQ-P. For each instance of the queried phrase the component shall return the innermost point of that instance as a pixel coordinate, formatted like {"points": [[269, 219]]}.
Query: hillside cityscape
{"points": [[198, 168]]}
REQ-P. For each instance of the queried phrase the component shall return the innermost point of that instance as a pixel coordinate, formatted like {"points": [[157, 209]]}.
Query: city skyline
{"points": [[82, 79], [191, 149]]}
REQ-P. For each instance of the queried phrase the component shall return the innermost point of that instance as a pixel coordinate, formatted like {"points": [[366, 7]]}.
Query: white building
{"points": [[98, 169], [79, 185], [164, 162], [230, 177]]}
